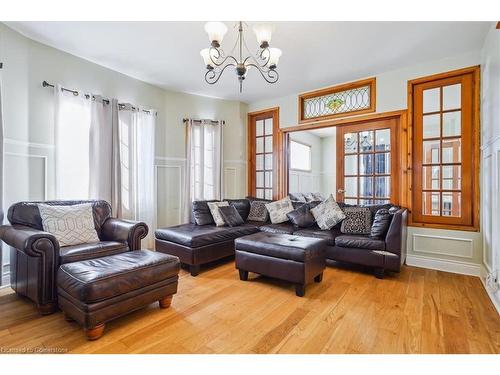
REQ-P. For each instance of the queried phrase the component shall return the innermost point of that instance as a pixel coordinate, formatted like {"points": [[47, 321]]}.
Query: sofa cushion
{"points": [[70, 225], [283, 228], [201, 213], [242, 205], [192, 235], [75, 253], [381, 223], [358, 220], [328, 213], [359, 242], [315, 232], [301, 217], [279, 209], [258, 211], [231, 216], [214, 210], [282, 246]]}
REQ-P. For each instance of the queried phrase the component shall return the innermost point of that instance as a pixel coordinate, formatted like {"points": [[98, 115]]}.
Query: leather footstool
{"points": [[299, 260], [93, 292]]}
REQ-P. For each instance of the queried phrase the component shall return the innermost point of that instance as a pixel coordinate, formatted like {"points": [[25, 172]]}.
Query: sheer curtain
{"points": [[72, 126], [203, 162], [135, 197]]}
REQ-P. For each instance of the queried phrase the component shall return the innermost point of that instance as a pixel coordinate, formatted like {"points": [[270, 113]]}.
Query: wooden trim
{"points": [[473, 201], [400, 115], [337, 88], [252, 117], [498, 25]]}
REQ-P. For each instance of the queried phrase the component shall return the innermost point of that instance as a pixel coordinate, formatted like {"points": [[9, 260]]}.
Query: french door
{"points": [[367, 162], [263, 145]]}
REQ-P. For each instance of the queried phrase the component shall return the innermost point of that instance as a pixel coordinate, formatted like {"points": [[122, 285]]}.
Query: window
{"points": [[445, 149], [300, 156], [338, 101]]}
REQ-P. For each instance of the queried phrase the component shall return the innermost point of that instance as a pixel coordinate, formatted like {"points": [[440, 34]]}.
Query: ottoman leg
{"points": [[300, 290], [319, 278], [95, 332], [165, 302], [47, 308], [379, 273], [243, 275], [194, 269]]}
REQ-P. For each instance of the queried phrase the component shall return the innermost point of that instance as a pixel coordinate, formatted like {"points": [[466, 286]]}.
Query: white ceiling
{"points": [[315, 54], [323, 132]]}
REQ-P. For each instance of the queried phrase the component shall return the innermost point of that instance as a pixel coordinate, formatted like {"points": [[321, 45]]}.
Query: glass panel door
{"points": [[264, 158]]}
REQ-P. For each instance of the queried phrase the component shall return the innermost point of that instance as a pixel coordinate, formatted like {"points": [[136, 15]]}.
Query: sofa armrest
{"points": [[32, 242], [122, 230], [395, 240]]}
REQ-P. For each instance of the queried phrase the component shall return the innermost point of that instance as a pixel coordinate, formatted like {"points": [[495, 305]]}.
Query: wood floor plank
{"points": [[350, 311]]}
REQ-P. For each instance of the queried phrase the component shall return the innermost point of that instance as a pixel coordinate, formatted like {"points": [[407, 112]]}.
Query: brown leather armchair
{"points": [[35, 255]]}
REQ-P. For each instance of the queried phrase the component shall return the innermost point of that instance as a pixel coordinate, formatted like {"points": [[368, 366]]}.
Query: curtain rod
{"points": [[87, 96], [184, 120]]}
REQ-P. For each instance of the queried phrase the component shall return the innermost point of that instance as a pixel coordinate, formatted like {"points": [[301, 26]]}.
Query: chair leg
{"points": [[48, 308], [243, 275], [300, 290], [165, 302], [319, 278], [379, 273], [95, 332], [194, 269]]}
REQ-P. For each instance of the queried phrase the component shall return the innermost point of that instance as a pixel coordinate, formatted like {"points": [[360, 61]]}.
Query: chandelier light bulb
{"points": [[216, 31], [274, 56], [205, 54], [263, 32]]}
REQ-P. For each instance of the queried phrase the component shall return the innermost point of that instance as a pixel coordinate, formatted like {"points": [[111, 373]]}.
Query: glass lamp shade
{"points": [[274, 56], [216, 31], [205, 54], [263, 32]]}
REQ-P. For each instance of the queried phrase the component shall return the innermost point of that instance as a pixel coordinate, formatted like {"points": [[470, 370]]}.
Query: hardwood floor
{"points": [[350, 311]]}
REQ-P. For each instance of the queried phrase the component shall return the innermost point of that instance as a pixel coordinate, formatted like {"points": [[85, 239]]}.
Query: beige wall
{"points": [[426, 247]]}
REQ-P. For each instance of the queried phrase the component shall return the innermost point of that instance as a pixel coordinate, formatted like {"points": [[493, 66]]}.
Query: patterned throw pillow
{"points": [[279, 209], [328, 213], [214, 210], [258, 211], [357, 220], [70, 225]]}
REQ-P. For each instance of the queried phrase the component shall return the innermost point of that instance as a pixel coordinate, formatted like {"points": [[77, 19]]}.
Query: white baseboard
{"points": [[453, 266]]}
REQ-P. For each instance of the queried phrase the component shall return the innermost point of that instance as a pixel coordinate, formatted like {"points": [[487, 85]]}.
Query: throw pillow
{"points": [[231, 216], [297, 197], [258, 211], [214, 210], [278, 210], [301, 217], [327, 213], [381, 223], [201, 213], [242, 205], [357, 220], [70, 225]]}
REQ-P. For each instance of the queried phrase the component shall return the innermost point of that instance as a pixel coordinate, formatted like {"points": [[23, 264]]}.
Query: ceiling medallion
{"points": [[216, 61]]}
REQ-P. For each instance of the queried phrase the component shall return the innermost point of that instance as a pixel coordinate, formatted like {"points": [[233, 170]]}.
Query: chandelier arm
{"points": [[259, 55], [270, 75], [212, 77], [219, 54]]}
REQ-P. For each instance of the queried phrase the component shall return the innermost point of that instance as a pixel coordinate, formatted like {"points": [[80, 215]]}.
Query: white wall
{"points": [[490, 166], [29, 127], [302, 181], [425, 246], [329, 172]]}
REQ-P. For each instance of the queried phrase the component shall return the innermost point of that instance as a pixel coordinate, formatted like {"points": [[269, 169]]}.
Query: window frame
{"points": [[470, 200], [334, 89], [310, 155]]}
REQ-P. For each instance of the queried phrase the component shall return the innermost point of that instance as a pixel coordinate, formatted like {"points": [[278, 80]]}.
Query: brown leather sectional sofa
{"points": [[196, 245], [35, 255]]}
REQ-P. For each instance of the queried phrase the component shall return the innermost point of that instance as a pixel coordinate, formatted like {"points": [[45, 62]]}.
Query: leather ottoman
{"points": [[93, 292], [296, 259]]}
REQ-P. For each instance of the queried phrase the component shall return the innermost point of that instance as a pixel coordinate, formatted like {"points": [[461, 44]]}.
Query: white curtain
{"points": [[72, 126], [136, 130], [203, 161], [4, 258], [100, 149]]}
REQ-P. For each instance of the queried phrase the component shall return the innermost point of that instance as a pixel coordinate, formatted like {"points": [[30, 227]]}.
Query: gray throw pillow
{"points": [[328, 213], [231, 216], [357, 220], [279, 209], [258, 211]]}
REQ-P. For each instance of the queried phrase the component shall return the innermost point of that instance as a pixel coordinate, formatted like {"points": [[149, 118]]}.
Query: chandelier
{"points": [[265, 60]]}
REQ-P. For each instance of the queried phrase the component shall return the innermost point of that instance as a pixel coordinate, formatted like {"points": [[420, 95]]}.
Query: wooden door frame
{"points": [[252, 117], [401, 115]]}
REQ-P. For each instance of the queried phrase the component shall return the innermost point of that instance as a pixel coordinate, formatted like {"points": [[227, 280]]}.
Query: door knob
{"points": [[341, 191]]}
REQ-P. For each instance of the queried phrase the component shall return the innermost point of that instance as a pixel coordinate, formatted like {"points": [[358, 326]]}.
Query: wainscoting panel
{"points": [[230, 183], [169, 191], [304, 182], [450, 246]]}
